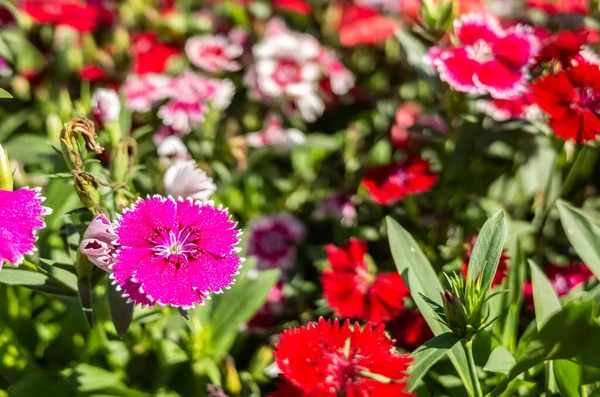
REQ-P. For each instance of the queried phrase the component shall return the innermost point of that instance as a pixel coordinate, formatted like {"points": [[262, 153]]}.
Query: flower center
{"points": [[287, 72], [480, 51], [587, 99], [274, 242], [401, 177], [176, 245]]}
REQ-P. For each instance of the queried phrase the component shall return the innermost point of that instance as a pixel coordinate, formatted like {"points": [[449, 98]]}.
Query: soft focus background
{"points": [[311, 121]]}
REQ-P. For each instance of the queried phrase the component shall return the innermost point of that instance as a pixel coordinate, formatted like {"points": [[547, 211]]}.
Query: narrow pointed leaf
{"points": [[488, 249], [428, 354], [121, 312], [421, 279], [583, 233], [568, 377], [544, 298], [501, 361]]}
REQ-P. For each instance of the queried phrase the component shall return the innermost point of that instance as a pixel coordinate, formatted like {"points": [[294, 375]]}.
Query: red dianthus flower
{"points": [[325, 359], [571, 98], [354, 292]]}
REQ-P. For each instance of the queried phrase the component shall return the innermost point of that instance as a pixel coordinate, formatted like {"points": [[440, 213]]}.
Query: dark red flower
{"points": [[361, 25], [325, 359], [502, 269], [409, 329], [562, 278], [79, 16], [553, 7], [149, 54], [389, 183], [571, 98], [561, 47], [92, 73], [299, 6], [353, 292]]}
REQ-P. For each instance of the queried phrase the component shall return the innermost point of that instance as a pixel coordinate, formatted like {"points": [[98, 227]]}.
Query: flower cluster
{"points": [[295, 69]]}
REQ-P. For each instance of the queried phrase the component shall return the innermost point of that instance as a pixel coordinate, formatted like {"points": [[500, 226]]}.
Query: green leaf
{"points": [[428, 354], [501, 361], [488, 249], [583, 234], [568, 377], [569, 333], [4, 94], [121, 312], [544, 297], [35, 281], [421, 279], [30, 149]]}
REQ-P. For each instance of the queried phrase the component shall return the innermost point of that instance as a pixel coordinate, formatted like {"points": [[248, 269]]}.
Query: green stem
{"points": [[468, 346]]}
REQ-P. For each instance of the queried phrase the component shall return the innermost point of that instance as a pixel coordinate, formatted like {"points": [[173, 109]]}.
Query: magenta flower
{"points": [[490, 59], [213, 53], [21, 214], [175, 253], [274, 240], [143, 92]]}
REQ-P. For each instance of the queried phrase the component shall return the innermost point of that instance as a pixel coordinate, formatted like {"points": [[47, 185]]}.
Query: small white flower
{"points": [[273, 134], [172, 150], [106, 105], [184, 179]]}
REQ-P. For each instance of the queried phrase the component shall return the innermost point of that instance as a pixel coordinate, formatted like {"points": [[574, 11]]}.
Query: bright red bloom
{"points": [[409, 329], [553, 7], [325, 359], [354, 292], [562, 278], [299, 6], [389, 183], [149, 54], [362, 25], [92, 73], [81, 17], [502, 269], [571, 98], [561, 47]]}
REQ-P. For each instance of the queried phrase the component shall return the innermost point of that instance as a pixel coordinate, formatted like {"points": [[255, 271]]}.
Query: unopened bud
{"points": [[86, 187], [6, 180], [123, 158], [232, 379], [260, 362]]}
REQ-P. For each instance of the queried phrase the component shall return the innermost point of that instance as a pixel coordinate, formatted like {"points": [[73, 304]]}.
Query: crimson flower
{"points": [[389, 183], [490, 59], [562, 278], [554, 7], [409, 329], [502, 265], [92, 73], [362, 25], [81, 17], [149, 54], [326, 359], [561, 47], [299, 6], [571, 98], [352, 291]]}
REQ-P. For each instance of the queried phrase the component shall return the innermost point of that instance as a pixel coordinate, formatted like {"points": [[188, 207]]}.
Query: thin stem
{"points": [[468, 346]]}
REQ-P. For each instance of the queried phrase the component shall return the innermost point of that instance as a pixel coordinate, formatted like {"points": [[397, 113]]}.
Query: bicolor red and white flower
{"points": [[326, 359], [142, 92], [184, 179], [174, 252], [522, 107], [274, 240], [353, 291], [213, 53], [289, 67], [571, 98], [389, 183], [490, 59], [273, 134], [106, 105]]}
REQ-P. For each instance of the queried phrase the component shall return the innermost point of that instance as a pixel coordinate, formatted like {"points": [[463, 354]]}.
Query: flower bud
{"points": [[232, 378], [99, 243], [123, 158], [6, 180], [86, 187]]}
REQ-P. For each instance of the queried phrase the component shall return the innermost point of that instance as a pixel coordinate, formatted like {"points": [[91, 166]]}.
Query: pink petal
{"points": [[217, 233], [457, 69], [139, 224], [518, 48], [20, 217], [500, 81], [212, 274]]}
